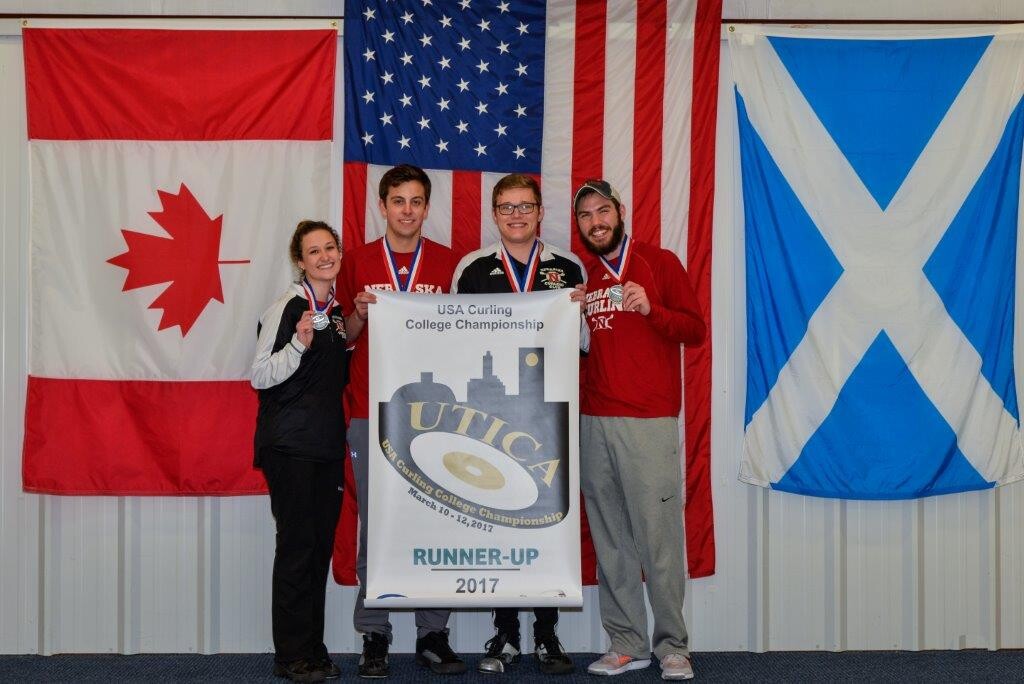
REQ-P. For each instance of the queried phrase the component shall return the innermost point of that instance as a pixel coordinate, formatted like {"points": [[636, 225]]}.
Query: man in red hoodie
{"points": [[641, 308]]}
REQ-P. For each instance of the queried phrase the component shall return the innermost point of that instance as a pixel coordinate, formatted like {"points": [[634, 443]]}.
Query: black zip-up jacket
{"points": [[300, 389]]}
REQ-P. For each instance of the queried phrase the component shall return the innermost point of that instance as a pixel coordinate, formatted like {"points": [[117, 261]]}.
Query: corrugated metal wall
{"points": [[136, 575]]}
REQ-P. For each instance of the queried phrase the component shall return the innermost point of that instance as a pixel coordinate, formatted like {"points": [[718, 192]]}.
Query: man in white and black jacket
{"points": [[520, 262]]}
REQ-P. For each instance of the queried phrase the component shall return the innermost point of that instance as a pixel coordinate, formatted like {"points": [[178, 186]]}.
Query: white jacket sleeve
{"points": [[270, 368]]}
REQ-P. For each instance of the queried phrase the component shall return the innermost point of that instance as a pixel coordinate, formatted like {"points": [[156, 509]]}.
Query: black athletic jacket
{"points": [[481, 272], [300, 389]]}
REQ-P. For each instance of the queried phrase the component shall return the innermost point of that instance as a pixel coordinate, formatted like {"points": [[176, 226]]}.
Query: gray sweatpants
{"points": [[370, 620], [632, 481]]}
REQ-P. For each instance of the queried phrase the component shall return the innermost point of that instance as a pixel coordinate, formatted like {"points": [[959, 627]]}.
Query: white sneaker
{"points": [[612, 663], [676, 666]]}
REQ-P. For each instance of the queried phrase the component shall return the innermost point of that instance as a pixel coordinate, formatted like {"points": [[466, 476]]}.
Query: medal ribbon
{"points": [[512, 273], [392, 266], [624, 250], [311, 296]]}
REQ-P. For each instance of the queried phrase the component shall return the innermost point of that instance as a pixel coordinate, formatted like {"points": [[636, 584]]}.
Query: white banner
{"points": [[474, 489]]}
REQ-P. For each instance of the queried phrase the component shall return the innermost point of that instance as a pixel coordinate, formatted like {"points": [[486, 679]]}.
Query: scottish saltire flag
{"points": [[564, 91], [881, 188]]}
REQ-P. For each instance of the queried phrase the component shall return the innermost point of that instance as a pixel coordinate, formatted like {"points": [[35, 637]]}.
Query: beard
{"points": [[618, 230]]}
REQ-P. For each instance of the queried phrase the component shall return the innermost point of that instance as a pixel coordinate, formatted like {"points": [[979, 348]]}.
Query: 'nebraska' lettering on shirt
{"points": [[420, 288]]}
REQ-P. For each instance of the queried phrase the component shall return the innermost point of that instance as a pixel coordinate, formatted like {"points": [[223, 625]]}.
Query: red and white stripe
{"points": [[630, 96]]}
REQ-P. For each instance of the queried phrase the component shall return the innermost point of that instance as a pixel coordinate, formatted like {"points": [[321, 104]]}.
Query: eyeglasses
{"points": [[523, 207]]}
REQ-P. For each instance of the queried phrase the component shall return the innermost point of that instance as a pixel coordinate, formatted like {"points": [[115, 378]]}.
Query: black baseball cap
{"points": [[601, 187]]}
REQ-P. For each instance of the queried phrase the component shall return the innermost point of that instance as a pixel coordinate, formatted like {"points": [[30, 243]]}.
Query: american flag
{"points": [[474, 89], [454, 88]]}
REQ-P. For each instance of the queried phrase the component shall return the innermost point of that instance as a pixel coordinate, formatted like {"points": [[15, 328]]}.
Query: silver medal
{"points": [[320, 320], [615, 294]]}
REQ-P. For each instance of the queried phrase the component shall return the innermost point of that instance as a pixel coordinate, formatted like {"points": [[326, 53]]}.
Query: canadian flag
{"points": [[168, 170]]}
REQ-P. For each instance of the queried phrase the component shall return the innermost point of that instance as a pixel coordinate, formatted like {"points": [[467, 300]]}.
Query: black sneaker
{"points": [[501, 650], [373, 664], [434, 652], [299, 671], [330, 670], [552, 657]]}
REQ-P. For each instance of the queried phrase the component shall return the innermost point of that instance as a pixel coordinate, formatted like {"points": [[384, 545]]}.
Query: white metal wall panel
{"points": [[162, 574], [20, 531], [798, 540], [881, 592], [1008, 573], [82, 574], [241, 559], [130, 575], [957, 534]]}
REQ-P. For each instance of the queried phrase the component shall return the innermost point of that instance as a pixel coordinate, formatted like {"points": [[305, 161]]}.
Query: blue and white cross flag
{"points": [[881, 182]]}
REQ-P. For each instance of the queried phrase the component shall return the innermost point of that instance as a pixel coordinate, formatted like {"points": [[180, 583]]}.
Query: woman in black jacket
{"points": [[300, 370]]}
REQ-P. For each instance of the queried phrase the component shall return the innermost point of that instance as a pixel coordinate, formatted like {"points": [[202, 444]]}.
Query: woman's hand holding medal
{"points": [[304, 329]]}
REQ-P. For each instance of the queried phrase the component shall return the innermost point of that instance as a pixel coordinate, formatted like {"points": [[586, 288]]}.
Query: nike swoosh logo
{"points": [[666, 498]]}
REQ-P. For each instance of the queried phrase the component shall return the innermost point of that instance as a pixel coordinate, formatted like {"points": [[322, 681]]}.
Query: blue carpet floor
{"points": [[863, 666]]}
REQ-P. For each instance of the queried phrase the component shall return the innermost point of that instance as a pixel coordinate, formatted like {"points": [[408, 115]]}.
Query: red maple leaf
{"points": [[188, 259]]}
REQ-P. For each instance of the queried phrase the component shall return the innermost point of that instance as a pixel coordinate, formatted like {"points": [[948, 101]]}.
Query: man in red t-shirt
{"points": [[640, 307], [401, 261]]}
